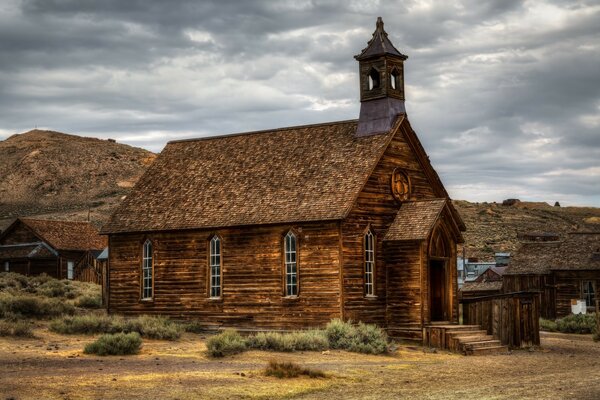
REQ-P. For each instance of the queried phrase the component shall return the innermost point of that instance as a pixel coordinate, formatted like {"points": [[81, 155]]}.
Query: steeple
{"points": [[381, 71]]}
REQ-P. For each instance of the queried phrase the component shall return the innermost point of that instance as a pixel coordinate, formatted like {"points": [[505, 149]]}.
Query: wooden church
{"points": [[291, 227]]}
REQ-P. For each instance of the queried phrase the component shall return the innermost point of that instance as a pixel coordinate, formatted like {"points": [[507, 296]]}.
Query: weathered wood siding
{"points": [[20, 234], [569, 286], [404, 288], [376, 207], [543, 283], [512, 318], [252, 276]]}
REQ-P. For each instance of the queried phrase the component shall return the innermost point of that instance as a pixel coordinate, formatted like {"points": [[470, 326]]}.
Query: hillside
{"points": [[493, 227], [54, 174]]}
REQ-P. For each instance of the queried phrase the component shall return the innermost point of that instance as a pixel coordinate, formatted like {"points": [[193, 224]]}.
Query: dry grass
{"points": [[288, 369]]}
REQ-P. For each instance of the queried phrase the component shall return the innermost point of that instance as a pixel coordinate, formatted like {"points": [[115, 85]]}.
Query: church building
{"points": [[288, 228]]}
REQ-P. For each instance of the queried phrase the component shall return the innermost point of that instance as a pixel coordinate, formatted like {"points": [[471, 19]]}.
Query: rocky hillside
{"points": [[54, 174], [493, 227]]}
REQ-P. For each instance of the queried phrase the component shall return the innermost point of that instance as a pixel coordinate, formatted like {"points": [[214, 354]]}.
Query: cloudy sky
{"points": [[504, 94]]}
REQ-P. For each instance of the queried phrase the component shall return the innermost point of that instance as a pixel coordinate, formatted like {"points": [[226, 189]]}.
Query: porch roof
{"points": [[415, 220]]}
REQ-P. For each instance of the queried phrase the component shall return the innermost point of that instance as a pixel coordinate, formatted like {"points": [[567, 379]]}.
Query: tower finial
{"points": [[379, 24]]}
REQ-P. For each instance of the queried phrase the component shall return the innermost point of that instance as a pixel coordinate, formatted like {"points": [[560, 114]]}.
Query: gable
{"points": [[307, 173], [60, 235], [18, 233]]}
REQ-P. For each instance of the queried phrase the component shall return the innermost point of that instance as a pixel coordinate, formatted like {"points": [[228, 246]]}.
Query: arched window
{"points": [[373, 79], [215, 267], [291, 264], [369, 263], [395, 79], [147, 270]]}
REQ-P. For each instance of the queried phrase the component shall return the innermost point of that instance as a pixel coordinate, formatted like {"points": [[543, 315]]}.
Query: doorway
{"points": [[437, 287]]}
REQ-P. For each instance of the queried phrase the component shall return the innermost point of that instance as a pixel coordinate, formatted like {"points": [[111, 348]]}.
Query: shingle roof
{"points": [[379, 45], [306, 173], [577, 251], [415, 219], [481, 286], [66, 235]]}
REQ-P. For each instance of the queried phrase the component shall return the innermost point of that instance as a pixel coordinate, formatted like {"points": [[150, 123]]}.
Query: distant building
{"points": [[562, 269], [61, 249]]}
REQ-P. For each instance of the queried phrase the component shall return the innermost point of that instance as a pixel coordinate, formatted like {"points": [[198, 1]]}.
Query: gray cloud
{"points": [[505, 95]]}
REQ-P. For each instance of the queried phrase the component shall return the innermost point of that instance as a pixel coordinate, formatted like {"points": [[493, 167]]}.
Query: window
{"points": [[6, 266], [395, 79], [369, 263], [70, 268], [588, 293], [291, 265], [373, 78], [147, 266], [215, 267]]}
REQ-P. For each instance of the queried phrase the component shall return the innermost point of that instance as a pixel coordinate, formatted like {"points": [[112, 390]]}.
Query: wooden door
{"points": [[437, 281]]}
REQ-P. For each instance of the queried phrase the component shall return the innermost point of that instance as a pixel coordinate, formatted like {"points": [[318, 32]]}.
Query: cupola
{"points": [[381, 71]]}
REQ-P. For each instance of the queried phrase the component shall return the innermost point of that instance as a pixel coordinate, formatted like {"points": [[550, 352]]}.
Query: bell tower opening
{"points": [[381, 69]]}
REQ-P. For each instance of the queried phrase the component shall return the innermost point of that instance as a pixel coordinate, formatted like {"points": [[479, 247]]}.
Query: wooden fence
{"points": [[513, 318]]}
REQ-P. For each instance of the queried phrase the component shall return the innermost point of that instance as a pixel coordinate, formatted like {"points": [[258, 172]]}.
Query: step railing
{"points": [[512, 318]]}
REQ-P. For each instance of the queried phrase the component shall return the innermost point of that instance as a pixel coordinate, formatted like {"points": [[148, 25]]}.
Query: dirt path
{"points": [[54, 367]]}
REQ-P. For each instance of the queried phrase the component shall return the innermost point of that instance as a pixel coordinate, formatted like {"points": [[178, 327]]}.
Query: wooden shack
{"points": [[291, 227], [562, 270], [61, 249]]}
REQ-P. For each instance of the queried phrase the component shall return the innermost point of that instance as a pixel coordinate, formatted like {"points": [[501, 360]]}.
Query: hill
{"points": [[54, 174], [493, 227]]}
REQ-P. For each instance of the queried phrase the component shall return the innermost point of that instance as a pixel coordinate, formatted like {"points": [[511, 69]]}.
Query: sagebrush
{"points": [[115, 344], [288, 369], [360, 338]]}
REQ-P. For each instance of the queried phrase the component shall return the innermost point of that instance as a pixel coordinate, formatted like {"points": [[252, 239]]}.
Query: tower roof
{"points": [[379, 45]]}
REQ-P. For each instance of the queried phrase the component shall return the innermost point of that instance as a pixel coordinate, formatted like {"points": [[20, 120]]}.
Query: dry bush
{"points": [[291, 370], [16, 328], [225, 343], [115, 344]]}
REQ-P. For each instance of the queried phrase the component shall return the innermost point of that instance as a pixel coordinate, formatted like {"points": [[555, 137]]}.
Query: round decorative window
{"points": [[401, 187]]}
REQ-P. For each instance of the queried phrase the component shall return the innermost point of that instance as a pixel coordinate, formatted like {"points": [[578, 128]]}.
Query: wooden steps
{"points": [[464, 339]]}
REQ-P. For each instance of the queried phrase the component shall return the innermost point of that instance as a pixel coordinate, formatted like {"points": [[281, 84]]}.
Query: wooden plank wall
{"points": [[376, 206], [20, 234], [252, 276], [568, 287], [512, 318], [404, 294], [543, 283]]}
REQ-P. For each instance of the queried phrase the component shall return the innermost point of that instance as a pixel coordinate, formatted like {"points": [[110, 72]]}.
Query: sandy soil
{"points": [[53, 366]]}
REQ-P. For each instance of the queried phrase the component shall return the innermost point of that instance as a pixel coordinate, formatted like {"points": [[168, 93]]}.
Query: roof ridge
{"points": [[262, 131]]}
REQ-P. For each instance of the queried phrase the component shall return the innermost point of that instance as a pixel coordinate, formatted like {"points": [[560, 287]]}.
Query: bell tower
{"points": [[381, 71]]}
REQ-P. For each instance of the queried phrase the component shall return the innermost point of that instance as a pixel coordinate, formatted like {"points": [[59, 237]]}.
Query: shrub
{"points": [[225, 343], [368, 339], [361, 338], [311, 340], [291, 370], [87, 324], [577, 323], [89, 302], [193, 327], [547, 325], [115, 344], [146, 326], [154, 327], [13, 280], [31, 306], [16, 328], [53, 288]]}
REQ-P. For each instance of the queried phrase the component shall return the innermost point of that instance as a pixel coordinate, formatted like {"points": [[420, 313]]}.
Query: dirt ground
{"points": [[53, 366]]}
